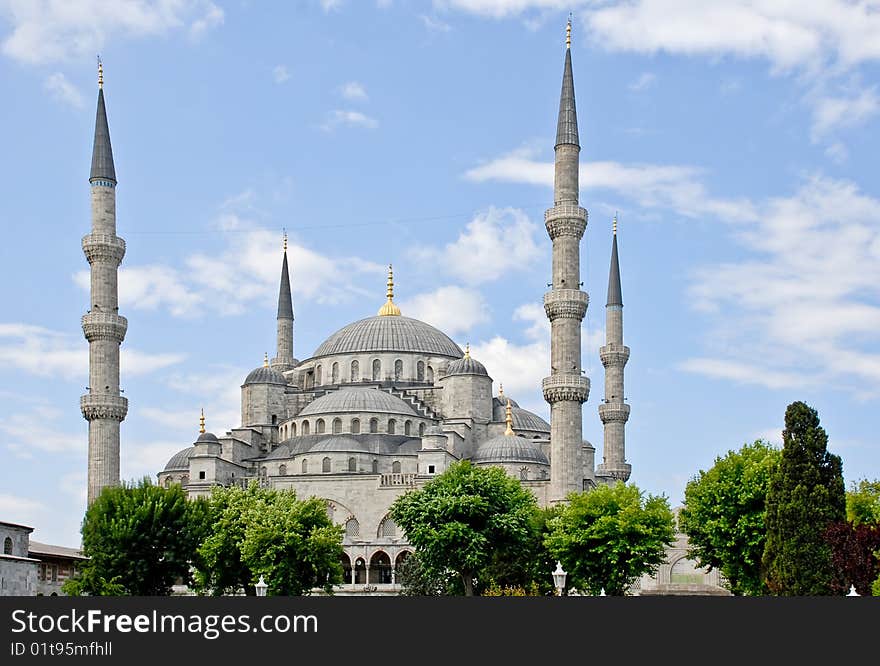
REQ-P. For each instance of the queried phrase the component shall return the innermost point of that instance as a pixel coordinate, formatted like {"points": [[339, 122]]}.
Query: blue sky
{"points": [[736, 139]]}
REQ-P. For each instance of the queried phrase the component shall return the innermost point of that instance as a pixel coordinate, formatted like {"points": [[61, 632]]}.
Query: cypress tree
{"points": [[806, 495]]}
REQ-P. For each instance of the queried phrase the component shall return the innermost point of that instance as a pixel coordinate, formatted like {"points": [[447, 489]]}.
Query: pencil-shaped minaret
{"points": [[566, 389], [614, 412], [284, 356], [103, 406]]}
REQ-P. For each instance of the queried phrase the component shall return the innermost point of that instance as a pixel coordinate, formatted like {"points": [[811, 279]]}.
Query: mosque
{"points": [[385, 403]]}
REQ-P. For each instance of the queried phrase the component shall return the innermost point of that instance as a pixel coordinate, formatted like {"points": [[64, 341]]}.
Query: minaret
{"points": [[284, 359], [103, 406], [566, 389], [614, 412]]}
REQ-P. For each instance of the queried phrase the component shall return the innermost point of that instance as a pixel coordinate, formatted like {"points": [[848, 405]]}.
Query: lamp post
{"points": [[261, 587], [559, 578], [852, 591]]}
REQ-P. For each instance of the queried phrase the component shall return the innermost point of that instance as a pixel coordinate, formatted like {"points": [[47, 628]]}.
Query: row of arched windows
{"points": [[423, 372], [326, 466], [354, 427]]}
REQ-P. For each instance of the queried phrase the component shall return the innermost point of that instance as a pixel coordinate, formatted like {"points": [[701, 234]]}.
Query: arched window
{"points": [[319, 427], [380, 569], [305, 466], [430, 374], [375, 466], [282, 470], [293, 429], [337, 426], [334, 373], [352, 527], [395, 467], [305, 428], [325, 465], [420, 371], [184, 480], [392, 426], [377, 369], [352, 465], [398, 369], [407, 428], [355, 426], [168, 481], [374, 425], [355, 371], [421, 429], [318, 376], [388, 528], [524, 474], [7, 546]]}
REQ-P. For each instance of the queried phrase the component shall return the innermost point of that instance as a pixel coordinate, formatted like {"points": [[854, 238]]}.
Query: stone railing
{"points": [[614, 355], [103, 247], [565, 220], [566, 303], [561, 387], [397, 480], [104, 326], [613, 412], [103, 406]]}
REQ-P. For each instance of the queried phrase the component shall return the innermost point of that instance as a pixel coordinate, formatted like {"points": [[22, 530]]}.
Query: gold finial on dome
{"points": [[501, 390], [202, 422], [509, 419], [390, 309], [467, 350], [100, 73], [568, 33], [265, 359]]}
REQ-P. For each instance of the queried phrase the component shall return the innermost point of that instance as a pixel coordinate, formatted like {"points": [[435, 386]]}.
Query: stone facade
{"points": [[18, 571]]}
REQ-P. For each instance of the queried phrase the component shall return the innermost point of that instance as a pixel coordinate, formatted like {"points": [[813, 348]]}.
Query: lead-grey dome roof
{"points": [[466, 366], [523, 419], [208, 437], [339, 443], [509, 449], [375, 443], [264, 375], [180, 460], [355, 400], [390, 334]]}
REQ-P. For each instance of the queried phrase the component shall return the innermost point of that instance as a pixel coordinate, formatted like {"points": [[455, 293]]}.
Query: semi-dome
{"points": [[500, 402], [523, 419], [339, 443], [264, 375], [466, 366], [180, 460], [509, 449], [389, 334], [353, 400]]}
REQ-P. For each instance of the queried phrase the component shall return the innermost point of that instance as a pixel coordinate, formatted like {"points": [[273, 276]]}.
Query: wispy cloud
{"points": [[645, 81], [354, 91], [37, 430], [434, 24], [832, 113], [452, 309], [280, 73], [212, 17], [348, 118], [63, 90]]}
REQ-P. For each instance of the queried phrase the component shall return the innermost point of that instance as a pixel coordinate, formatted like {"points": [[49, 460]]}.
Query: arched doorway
{"points": [[360, 571], [380, 568], [402, 557], [345, 560]]}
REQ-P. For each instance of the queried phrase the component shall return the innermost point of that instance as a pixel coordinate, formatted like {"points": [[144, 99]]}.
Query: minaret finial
{"points": [[390, 309], [284, 233], [501, 390], [614, 227], [568, 32], [202, 422], [265, 359], [100, 73], [509, 419], [467, 350]]}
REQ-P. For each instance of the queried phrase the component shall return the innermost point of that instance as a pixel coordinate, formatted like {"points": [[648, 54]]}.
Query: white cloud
{"points": [[831, 113], [37, 430], [434, 24], [352, 90], [743, 373], [452, 309], [63, 90], [280, 73], [331, 5], [645, 80], [21, 510], [650, 185], [384, 4], [348, 118], [506, 8], [494, 243], [45, 31], [837, 152]]}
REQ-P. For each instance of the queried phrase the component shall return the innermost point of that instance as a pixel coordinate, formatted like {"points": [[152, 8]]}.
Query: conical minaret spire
{"points": [[566, 389], [284, 359], [103, 406], [614, 412]]}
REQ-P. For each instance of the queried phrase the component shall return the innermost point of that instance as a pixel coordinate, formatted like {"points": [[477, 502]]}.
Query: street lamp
{"points": [[852, 591], [602, 592], [559, 578], [261, 587]]}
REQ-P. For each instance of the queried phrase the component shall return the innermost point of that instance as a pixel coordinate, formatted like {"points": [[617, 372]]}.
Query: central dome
{"points": [[389, 334]]}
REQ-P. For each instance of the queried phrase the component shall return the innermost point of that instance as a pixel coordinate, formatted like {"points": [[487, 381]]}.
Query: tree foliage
{"points": [[854, 553], [609, 536], [465, 519], [806, 495], [863, 503], [724, 515], [257, 531], [140, 538]]}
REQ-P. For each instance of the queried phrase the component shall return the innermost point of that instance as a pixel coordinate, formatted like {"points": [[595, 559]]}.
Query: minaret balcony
{"points": [[614, 471], [565, 220], [566, 304], [614, 412], [103, 406], [614, 355], [103, 248], [104, 326], [559, 388]]}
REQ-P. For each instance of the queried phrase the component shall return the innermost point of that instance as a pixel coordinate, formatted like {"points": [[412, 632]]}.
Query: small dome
{"points": [[509, 449], [354, 400], [264, 375], [498, 405], [523, 419], [339, 444], [180, 460], [466, 366], [209, 437]]}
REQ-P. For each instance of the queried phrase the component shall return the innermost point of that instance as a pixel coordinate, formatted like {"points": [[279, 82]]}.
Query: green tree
{"points": [[609, 536], [140, 539], [863, 502], [806, 495], [462, 519], [415, 581], [724, 515]]}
